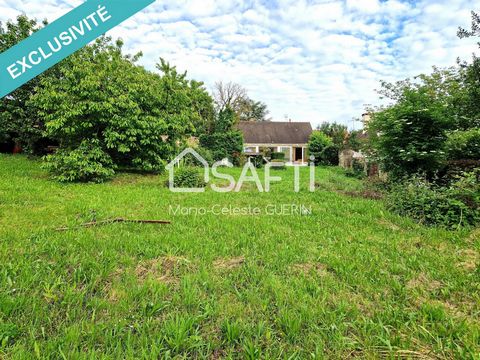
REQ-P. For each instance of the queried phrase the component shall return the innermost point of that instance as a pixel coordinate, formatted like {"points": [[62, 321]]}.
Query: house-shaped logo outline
{"points": [[171, 169]]}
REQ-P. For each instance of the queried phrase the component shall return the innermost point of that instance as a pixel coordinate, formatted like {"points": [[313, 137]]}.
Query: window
{"points": [[286, 151]]}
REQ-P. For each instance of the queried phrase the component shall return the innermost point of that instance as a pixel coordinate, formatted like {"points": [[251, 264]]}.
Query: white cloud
{"points": [[316, 61]]}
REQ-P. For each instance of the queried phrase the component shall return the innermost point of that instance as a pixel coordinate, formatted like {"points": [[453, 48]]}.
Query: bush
{"points": [[188, 177], [455, 168], [320, 146], [429, 204], [464, 145], [86, 163], [191, 161], [224, 145], [277, 156], [357, 170], [257, 161]]}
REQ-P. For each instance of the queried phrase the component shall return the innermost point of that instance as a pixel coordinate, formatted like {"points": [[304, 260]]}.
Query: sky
{"points": [[317, 61]]}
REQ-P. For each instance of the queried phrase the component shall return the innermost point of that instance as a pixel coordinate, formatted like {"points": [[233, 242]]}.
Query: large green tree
{"points": [[224, 141], [408, 137], [471, 75], [108, 112], [185, 100], [19, 120], [338, 133], [320, 146]]}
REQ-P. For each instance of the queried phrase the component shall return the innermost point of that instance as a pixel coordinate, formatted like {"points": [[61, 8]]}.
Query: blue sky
{"points": [[311, 60]]}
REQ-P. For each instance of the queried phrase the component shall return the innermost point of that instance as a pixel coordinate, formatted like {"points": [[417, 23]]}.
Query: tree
{"points": [[338, 133], [190, 96], [471, 74], [110, 113], [475, 29], [355, 141], [319, 146], [224, 141], [19, 120], [254, 111], [408, 137], [234, 96], [230, 95]]}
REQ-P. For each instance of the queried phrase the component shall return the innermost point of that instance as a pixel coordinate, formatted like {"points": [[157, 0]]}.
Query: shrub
{"points": [[224, 145], [429, 204], [464, 145], [206, 154], [277, 156], [357, 170], [86, 163], [319, 146], [455, 168], [257, 161], [188, 177]]}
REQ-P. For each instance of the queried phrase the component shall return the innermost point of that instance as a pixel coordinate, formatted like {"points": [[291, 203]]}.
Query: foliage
{"points": [[19, 121], [430, 204], [355, 142], [320, 146], [87, 162], [463, 145], [254, 111], [471, 75], [233, 96], [202, 106], [475, 29], [278, 156], [206, 154], [224, 141], [339, 135], [188, 177], [408, 137], [357, 170], [139, 118], [257, 161], [337, 132]]}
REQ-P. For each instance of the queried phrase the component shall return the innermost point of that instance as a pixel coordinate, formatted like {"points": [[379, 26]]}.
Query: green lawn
{"points": [[350, 279]]}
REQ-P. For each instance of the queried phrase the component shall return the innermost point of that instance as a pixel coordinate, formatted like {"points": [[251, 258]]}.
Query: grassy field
{"points": [[348, 280]]}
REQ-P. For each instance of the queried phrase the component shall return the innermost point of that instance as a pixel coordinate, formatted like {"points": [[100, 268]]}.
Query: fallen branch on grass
{"points": [[115, 221]]}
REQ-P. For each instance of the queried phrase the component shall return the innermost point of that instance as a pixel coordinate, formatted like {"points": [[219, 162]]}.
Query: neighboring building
{"points": [[291, 138], [366, 117]]}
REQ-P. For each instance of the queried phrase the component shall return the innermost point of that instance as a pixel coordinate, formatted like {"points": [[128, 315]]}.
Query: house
{"points": [[291, 138]]}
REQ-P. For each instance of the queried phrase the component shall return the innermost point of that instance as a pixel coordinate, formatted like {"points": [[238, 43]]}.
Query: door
{"points": [[298, 154]]}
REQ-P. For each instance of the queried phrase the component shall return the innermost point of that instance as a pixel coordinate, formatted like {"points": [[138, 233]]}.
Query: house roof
{"points": [[272, 132]]}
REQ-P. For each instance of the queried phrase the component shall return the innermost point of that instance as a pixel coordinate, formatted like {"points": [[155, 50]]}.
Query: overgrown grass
{"points": [[348, 280]]}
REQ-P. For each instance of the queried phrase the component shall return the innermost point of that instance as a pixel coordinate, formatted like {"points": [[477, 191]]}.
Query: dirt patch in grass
{"points": [[365, 194], [308, 268], [114, 295], [469, 259], [228, 264], [166, 269], [474, 235], [389, 225], [422, 282], [386, 353]]}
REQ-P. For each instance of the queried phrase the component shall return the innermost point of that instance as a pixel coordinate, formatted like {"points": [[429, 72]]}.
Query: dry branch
{"points": [[115, 221]]}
